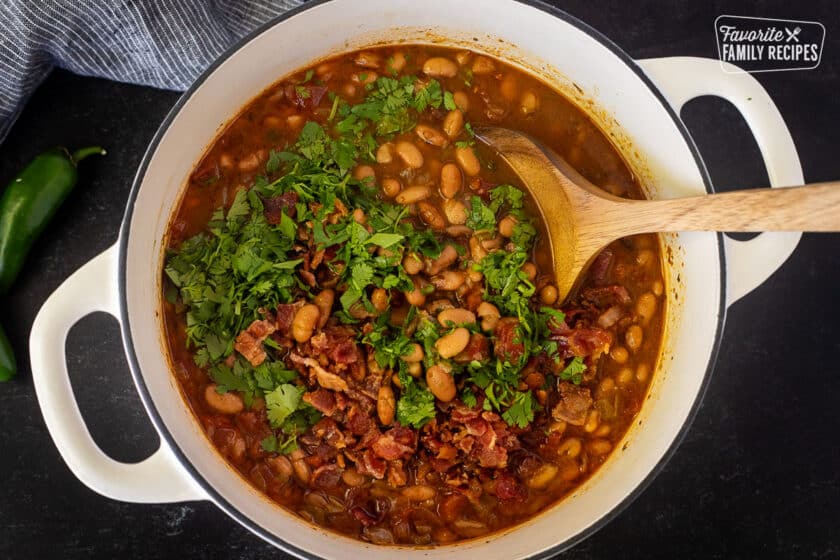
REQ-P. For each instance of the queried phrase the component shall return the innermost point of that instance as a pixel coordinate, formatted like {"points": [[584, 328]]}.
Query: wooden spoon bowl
{"points": [[581, 219]]}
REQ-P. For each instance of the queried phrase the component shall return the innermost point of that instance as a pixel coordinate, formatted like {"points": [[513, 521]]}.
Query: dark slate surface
{"points": [[755, 477]]}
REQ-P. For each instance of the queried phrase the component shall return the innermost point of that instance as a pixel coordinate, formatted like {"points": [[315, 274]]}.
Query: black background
{"points": [[755, 477]]}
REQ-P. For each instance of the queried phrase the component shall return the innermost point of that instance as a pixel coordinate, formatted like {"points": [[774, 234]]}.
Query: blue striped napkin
{"points": [[159, 43]]}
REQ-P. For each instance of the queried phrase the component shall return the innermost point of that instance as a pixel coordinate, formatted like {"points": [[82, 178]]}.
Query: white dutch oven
{"points": [[637, 101]]}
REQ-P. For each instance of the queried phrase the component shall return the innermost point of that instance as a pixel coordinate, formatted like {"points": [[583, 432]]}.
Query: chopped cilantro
{"points": [[574, 371]]}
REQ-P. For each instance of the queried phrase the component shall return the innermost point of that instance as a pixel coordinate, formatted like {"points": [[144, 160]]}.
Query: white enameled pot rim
{"points": [[154, 414]]}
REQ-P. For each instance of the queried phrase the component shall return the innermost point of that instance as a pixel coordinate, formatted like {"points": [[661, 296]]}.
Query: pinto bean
{"points": [[431, 135], [324, 301], [450, 180], [385, 153], [507, 225], [440, 382], [469, 528], [431, 216], [598, 447], [477, 252], [386, 405], [633, 337], [542, 477], [440, 67], [449, 280], [353, 478], [249, 162], [548, 294], [530, 270], [410, 154], [483, 65], [362, 172], [412, 264], [364, 77], [396, 62], [448, 255], [529, 102], [646, 307], [452, 344], [301, 468], [489, 315], [456, 316], [227, 403], [416, 296], [415, 354], [455, 212], [419, 493], [414, 369], [466, 158], [367, 59], [304, 322], [379, 299], [462, 100], [453, 123], [414, 194], [282, 466], [391, 187]]}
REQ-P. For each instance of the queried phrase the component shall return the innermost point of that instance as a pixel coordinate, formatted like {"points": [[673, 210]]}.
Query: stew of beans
{"points": [[360, 310]]}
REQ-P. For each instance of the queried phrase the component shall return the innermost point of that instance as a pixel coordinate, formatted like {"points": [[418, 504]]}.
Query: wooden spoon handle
{"points": [[814, 207]]}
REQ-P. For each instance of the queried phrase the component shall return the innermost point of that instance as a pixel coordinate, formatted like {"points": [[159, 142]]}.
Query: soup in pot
{"points": [[360, 310]]}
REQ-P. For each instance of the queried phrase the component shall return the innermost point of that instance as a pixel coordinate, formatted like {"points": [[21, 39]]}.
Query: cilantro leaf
{"points": [[282, 402], [574, 371]]}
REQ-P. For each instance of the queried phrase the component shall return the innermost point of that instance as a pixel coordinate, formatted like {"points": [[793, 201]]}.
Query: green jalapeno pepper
{"points": [[27, 204]]}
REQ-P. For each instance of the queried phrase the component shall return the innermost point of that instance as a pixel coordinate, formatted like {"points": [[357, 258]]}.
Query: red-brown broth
{"points": [[618, 381]]}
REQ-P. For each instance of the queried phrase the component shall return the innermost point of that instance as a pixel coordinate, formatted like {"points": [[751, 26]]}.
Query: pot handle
{"points": [[158, 479], [682, 79]]}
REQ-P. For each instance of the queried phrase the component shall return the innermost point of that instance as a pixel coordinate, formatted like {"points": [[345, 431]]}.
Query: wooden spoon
{"points": [[582, 219]]}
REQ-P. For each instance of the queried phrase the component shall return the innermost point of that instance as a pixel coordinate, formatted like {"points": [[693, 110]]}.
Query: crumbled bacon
{"points": [[601, 266], [395, 443], [274, 207], [322, 400], [249, 342], [371, 465], [574, 405], [604, 296], [507, 488], [326, 476], [285, 315], [507, 345], [325, 379]]}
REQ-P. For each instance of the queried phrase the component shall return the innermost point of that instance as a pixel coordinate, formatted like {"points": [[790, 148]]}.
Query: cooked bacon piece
{"points": [[507, 346], [604, 296], [325, 379], [371, 465], [461, 413], [322, 400], [601, 266], [395, 443], [358, 422], [275, 206], [589, 342], [328, 431], [396, 474], [326, 476], [574, 404], [507, 488], [338, 343], [285, 315], [249, 343]]}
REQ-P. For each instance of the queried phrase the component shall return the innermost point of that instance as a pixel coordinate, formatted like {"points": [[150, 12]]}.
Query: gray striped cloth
{"points": [[160, 43]]}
